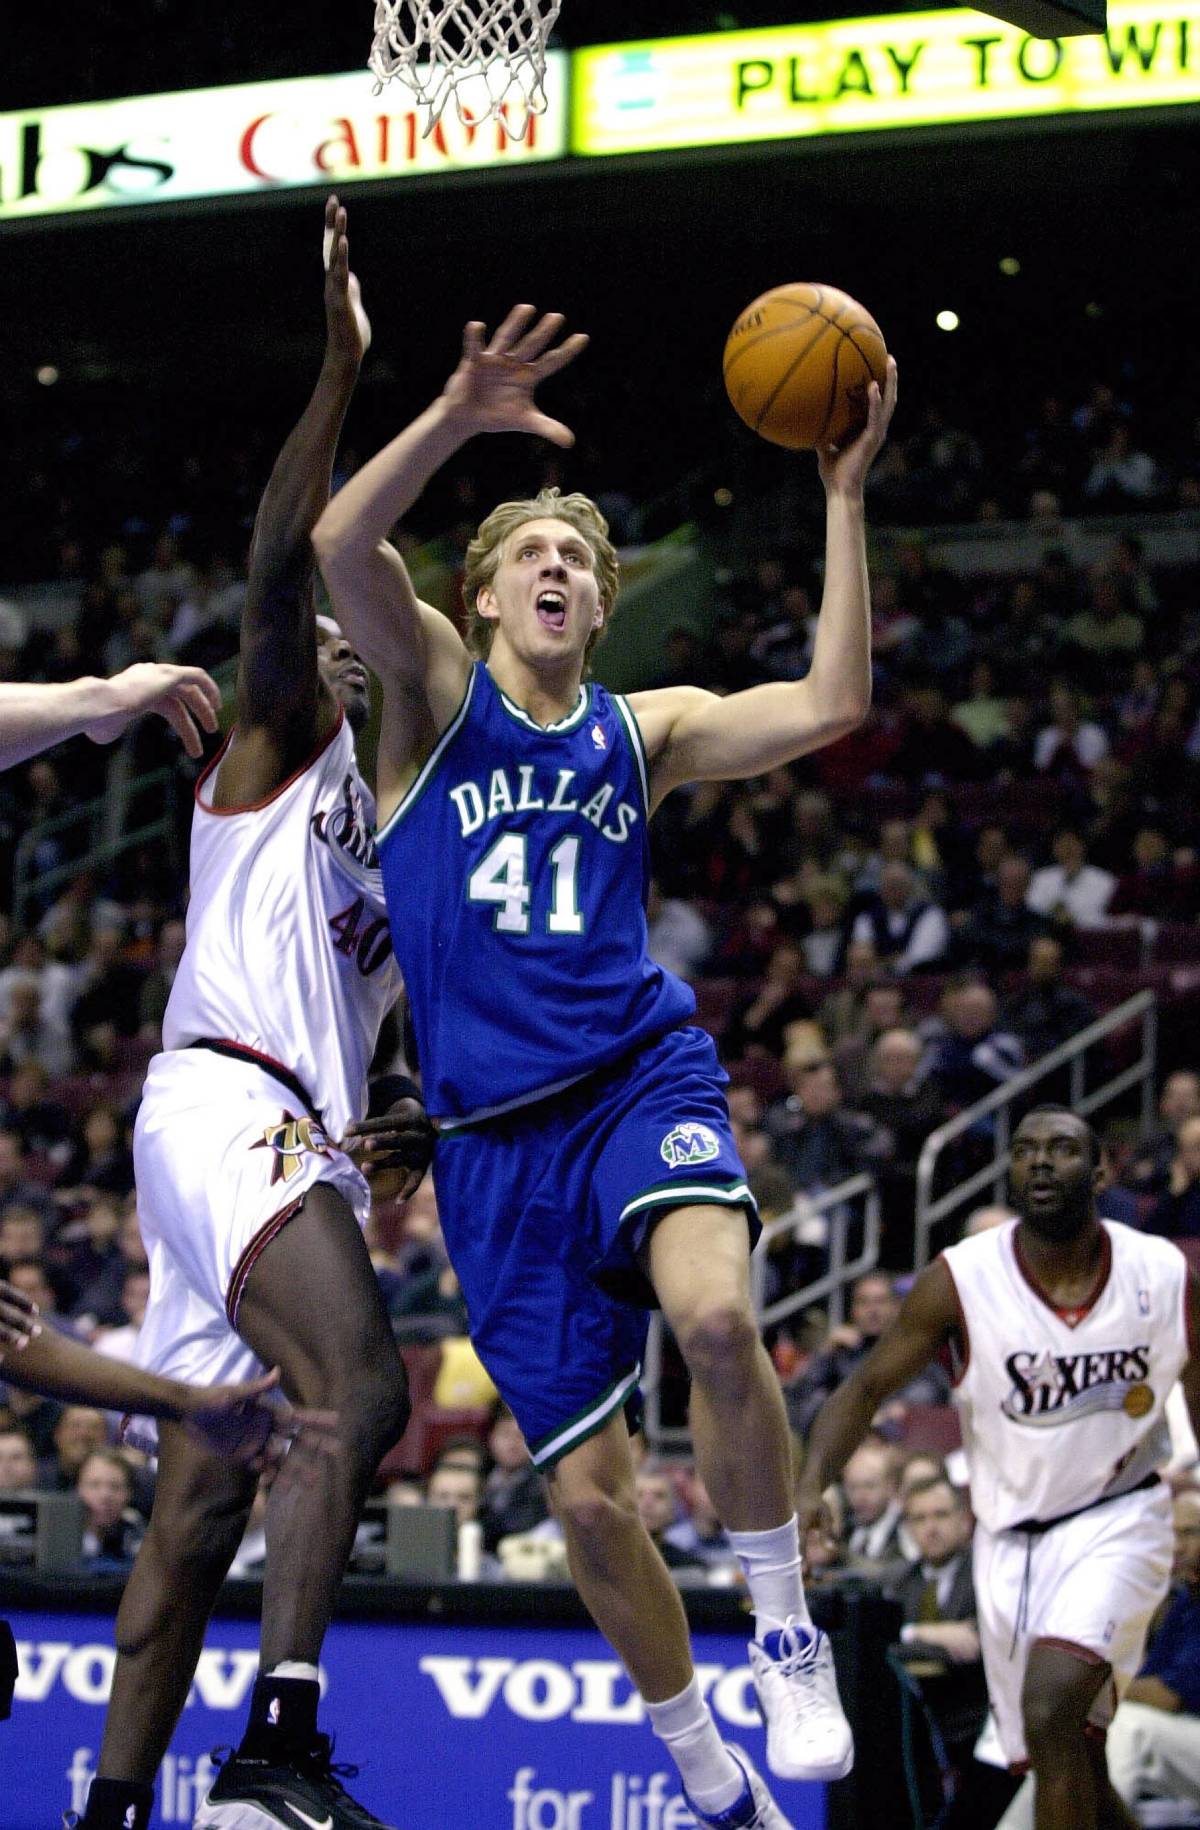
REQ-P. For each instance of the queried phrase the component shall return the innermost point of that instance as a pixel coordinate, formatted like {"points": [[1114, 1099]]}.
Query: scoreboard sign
{"points": [[864, 75]]}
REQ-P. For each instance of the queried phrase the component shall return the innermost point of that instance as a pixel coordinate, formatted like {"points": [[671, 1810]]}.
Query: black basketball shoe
{"points": [[306, 1793]]}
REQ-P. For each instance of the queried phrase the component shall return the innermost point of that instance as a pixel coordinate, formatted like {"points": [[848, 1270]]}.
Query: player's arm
{"points": [[692, 735], [242, 1421], [35, 717], [282, 708], [928, 1320], [416, 652]]}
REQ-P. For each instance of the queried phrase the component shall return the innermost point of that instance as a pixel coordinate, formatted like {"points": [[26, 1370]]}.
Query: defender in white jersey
{"points": [[1067, 1335], [250, 1200]]}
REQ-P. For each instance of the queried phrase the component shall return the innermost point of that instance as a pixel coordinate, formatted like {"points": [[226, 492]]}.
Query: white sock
{"points": [[294, 1668], [713, 1778], [771, 1564]]}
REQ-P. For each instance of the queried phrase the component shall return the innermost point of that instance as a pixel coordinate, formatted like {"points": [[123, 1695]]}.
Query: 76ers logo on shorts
{"points": [[689, 1144], [292, 1139]]}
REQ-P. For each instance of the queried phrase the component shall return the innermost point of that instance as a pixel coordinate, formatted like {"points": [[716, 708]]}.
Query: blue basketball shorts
{"points": [[544, 1211]]}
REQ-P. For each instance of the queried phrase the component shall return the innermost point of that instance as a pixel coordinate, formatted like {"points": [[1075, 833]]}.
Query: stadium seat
{"points": [[1120, 948], [931, 1428], [715, 1001], [1177, 943]]}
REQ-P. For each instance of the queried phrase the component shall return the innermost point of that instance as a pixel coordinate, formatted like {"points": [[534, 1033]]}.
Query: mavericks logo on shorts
{"points": [[689, 1144], [292, 1139]]}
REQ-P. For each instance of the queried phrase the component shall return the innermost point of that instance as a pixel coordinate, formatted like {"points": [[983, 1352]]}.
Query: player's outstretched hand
{"points": [[252, 1424], [402, 1139], [845, 471], [493, 386], [347, 326], [186, 697], [18, 1318]]}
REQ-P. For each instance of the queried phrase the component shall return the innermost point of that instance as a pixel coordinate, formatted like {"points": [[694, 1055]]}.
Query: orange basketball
{"points": [[798, 364]]}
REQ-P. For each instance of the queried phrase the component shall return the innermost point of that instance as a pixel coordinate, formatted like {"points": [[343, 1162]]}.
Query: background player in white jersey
{"points": [[251, 1207], [513, 806], [1068, 1333]]}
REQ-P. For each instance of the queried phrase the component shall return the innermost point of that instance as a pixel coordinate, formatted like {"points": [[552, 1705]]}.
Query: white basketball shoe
{"points": [[808, 1736]]}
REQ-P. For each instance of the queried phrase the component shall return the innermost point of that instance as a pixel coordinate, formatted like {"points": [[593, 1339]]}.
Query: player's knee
{"points": [[718, 1338], [594, 1518], [1051, 1724], [376, 1406]]}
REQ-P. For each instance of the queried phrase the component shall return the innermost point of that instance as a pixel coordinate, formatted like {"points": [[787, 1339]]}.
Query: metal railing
{"points": [[933, 1212], [842, 1206], [31, 885]]}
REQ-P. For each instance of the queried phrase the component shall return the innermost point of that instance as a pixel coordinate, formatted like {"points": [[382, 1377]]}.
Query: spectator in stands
{"points": [[983, 714], [28, 1108], [22, 1234], [871, 1484], [700, 1533], [156, 987], [101, 1162], [996, 935], [1163, 884], [120, 1343], [656, 1509], [818, 1140], [933, 748], [1070, 746], [825, 941], [908, 1108], [78, 1432], [459, 1489], [909, 930], [873, 1307], [1176, 1214], [1072, 892], [1046, 1011], [1122, 476], [842, 1015], [514, 1495], [936, 1592], [165, 583], [940, 1641], [18, 1466], [884, 1009], [113, 1529], [1149, 1170], [975, 1055], [29, 1033], [107, 1006], [99, 1302], [758, 1024], [746, 1119], [17, 1189], [1106, 635]]}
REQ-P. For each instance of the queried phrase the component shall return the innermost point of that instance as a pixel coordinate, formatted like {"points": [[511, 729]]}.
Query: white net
{"points": [[490, 55]]}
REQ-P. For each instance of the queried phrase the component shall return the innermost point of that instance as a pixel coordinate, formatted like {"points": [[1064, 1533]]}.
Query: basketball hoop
{"points": [[490, 55]]}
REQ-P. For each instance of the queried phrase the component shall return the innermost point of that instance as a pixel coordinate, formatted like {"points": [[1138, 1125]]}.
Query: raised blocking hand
{"points": [[492, 389]]}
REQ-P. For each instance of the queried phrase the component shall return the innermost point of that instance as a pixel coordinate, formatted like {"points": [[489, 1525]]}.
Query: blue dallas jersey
{"points": [[515, 870]]}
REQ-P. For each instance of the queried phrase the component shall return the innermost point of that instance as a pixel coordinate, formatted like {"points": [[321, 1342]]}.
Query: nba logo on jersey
{"points": [[273, 1712], [598, 737], [1143, 1302], [689, 1144]]}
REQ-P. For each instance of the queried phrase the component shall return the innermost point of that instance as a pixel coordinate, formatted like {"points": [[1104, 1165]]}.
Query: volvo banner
{"points": [[467, 1728]]}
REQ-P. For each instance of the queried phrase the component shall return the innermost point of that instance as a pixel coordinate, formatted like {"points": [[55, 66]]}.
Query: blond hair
{"points": [[487, 550]]}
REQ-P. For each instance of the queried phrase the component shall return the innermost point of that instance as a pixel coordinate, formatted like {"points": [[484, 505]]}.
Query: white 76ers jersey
{"points": [[1063, 1408], [288, 951]]}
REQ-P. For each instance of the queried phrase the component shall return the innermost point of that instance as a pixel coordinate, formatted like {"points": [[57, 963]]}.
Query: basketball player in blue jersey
{"points": [[585, 1167]]}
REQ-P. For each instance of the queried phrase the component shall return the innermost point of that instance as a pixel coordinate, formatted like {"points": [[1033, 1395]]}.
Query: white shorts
{"points": [[1089, 1585], [223, 1156]]}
